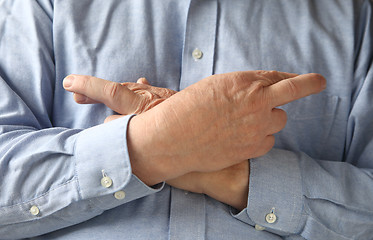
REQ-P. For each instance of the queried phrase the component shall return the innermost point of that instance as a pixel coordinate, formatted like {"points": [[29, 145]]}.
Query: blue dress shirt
{"points": [[317, 183]]}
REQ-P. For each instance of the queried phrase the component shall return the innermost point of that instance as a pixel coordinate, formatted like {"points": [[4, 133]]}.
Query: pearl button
{"points": [[197, 54], [120, 195], [271, 218], [34, 210], [106, 182], [259, 228]]}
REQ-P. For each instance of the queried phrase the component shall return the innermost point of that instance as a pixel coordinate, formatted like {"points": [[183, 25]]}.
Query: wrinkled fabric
{"points": [[53, 152]]}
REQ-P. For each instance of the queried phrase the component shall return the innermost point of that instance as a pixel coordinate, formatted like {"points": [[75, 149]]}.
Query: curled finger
{"points": [[279, 119], [83, 99], [265, 146]]}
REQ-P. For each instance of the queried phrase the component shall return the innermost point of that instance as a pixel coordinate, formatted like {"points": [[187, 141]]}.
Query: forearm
{"points": [[229, 185], [59, 171]]}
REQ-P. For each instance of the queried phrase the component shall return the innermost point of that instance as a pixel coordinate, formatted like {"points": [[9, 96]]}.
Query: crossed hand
{"points": [[199, 139]]}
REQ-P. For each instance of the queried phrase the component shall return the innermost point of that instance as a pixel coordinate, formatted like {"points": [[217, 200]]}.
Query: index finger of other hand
{"points": [[291, 89]]}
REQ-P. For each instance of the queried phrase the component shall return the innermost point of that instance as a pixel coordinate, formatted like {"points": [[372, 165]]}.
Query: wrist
{"points": [[137, 145], [149, 155]]}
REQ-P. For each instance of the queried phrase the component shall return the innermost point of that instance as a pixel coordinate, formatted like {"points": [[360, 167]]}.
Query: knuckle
{"points": [[142, 106], [293, 88], [272, 73], [237, 77], [270, 77], [261, 72], [111, 89], [269, 74], [167, 93], [256, 98], [128, 84]]}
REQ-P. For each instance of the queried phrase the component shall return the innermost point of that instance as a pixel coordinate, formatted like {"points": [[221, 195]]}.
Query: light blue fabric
{"points": [[318, 179]]}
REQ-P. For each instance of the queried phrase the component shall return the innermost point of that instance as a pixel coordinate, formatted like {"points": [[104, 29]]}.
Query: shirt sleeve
{"points": [[291, 193], [50, 177]]}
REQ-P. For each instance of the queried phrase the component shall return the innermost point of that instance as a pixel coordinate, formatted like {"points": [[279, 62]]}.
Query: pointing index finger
{"points": [[291, 89]]}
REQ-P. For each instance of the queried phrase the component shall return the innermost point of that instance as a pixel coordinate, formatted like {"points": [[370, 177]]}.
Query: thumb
{"points": [[114, 95]]}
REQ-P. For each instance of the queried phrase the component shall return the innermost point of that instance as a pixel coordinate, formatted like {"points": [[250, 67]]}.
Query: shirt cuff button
{"points": [[259, 228], [120, 195], [34, 210], [105, 180], [271, 218]]}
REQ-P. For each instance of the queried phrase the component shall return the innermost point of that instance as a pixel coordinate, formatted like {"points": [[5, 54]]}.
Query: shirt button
{"points": [[120, 195], [106, 182], [259, 228], [271, 218], [34, 210], [197, 54]]}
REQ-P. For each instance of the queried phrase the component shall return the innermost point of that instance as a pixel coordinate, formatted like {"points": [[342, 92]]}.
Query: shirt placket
{"points": [[187, 210], [187, 215], [199, 43]]}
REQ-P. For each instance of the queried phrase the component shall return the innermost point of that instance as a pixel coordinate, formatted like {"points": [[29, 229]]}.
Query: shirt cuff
{"points": [[103, 166], [275, 201]]}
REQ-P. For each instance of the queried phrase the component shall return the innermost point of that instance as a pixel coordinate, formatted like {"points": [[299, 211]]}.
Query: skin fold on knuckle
{"points": [[240, 78], [272, 77], [162, 92], [292, 89], [269, 74], [111, 90], [255, 98], [142, 106]]}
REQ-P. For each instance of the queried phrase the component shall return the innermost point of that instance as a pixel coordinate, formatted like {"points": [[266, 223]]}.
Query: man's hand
{"points": [[213, 124], [216, 123]]}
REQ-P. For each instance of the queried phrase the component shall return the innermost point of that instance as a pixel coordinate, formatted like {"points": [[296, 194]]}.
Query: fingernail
{"points": [[324, 83], [68, 81]]}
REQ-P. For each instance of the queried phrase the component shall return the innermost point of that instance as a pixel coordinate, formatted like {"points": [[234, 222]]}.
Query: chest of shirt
{"points": [[176, 43]]}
